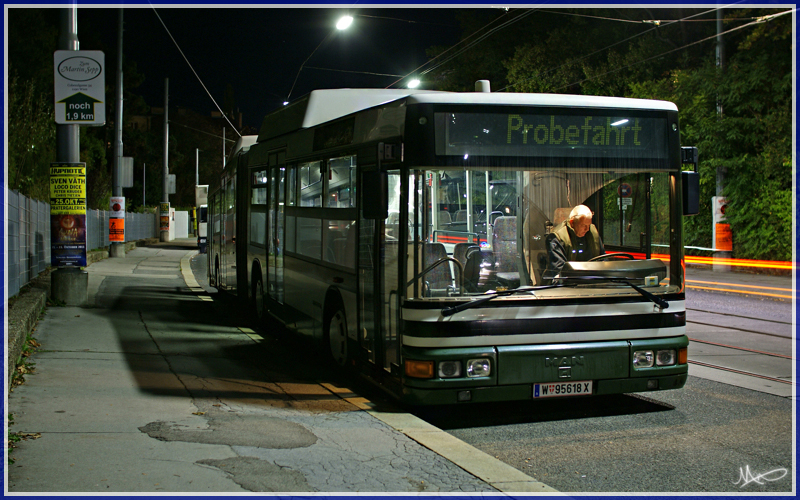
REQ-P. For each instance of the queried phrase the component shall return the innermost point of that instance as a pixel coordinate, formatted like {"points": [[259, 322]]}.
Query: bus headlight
{"points": [[449, 369], [481, 367], [642, 359], [666, 357]]}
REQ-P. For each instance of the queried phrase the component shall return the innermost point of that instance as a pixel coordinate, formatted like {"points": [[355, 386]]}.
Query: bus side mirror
{"points": [[375, 195], [691, 193]]}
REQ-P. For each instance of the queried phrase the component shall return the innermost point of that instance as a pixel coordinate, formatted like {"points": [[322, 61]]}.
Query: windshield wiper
{"points": [[449, 311], [663, 304]]}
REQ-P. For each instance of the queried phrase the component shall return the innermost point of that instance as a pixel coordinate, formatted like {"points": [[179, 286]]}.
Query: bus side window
{"points": [[341, 180], [310, 184]]}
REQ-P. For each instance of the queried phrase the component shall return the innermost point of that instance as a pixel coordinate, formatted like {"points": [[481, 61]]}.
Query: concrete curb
{"points": [[24, 310], [22, 317]]}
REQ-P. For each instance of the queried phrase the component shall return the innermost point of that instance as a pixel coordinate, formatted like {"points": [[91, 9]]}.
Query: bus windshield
{"points": [[487, 229]]}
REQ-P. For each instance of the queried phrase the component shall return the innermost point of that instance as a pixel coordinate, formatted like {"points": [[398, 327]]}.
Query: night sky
{"points": [[258, 51]]}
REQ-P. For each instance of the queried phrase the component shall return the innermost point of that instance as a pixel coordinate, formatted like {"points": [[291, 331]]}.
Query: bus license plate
{"points": [[556, 389]]}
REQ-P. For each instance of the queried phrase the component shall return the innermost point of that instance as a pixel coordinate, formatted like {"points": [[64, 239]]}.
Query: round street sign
{"points": [[624, 190]]}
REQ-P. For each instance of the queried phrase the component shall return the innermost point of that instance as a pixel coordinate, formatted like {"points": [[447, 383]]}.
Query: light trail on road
{"points": [[715, 288]]}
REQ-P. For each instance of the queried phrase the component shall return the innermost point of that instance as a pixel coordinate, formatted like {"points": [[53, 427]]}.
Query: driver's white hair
{"points": [[579, 212]]}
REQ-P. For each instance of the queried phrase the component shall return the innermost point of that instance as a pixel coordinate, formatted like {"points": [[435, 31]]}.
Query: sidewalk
{"points": [[155, 387]]}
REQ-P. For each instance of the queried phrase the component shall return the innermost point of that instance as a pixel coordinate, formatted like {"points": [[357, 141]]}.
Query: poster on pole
{"points": [[116, 220], [721, 236], [164, 216], [68, 214]]}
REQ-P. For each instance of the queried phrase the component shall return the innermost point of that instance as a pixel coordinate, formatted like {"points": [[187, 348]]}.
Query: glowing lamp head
{"points": [[344, 23]]}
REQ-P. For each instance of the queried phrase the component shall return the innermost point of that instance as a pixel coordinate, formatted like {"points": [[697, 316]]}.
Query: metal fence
{"points": [[28, 244]]}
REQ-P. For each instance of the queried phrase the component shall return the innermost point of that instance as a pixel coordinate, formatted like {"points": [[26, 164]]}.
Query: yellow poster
{"points": [[68, 189]]}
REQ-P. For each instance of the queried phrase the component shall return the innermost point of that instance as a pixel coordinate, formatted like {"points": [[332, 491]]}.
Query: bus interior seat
{"points": [[444, 218], [472, 268], [461, 216], [504, 246], [560, 215], [461, 253], [439, 280]]}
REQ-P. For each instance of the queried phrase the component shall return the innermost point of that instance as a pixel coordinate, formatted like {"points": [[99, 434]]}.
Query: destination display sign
{"points": [[571, 135]]}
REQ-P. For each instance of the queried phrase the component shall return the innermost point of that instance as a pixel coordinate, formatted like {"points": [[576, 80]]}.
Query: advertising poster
{"points": [[164, 216], [68, 214], [116, 220]]}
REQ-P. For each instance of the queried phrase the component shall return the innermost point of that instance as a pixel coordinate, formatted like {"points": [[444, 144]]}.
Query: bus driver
{"points": [[574, 239]]}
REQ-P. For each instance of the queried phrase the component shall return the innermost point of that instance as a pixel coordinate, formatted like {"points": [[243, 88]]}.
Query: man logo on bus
{"points": [[564, 361], [608, 134]]}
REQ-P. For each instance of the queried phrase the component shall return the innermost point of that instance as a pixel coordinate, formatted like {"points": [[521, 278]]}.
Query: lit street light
{"points": [[413, 83], [344, 23]]}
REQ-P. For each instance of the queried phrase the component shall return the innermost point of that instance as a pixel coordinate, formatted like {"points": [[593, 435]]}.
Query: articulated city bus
{"points": [[407, 232]]}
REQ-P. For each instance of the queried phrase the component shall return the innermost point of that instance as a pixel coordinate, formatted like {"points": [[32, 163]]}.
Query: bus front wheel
{"points": [[337, 337]]}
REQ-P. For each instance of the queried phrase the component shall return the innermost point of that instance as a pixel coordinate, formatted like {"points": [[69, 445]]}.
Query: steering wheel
{"points": [[613, 255]]}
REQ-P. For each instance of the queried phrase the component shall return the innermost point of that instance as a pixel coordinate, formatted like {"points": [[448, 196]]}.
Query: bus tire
{"points": [[257, 302], [336, 337]]}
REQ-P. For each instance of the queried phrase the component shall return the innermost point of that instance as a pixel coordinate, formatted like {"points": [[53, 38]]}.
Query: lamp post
{"points": [[342, 24], [197, 166]]}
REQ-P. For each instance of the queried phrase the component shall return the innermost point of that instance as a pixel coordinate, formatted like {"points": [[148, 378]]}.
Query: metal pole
{"points": [[68, 147], [144, 183], [165, 192], [164, 236], [117, 249], [196, 166], [223, 147], [69, 284], [721, 171]]}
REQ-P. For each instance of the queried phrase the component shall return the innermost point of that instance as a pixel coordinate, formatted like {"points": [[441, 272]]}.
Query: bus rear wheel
{"points": [[337, 338], [258, 299]]}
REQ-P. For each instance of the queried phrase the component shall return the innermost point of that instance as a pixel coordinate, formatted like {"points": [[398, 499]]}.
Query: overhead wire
{"points": [[465, 40], [483, 37], [193, 71]]}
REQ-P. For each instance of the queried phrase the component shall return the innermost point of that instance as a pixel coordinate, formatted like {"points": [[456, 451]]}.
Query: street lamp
{"points": [[413, 83], [341, 25], [344, 23]]}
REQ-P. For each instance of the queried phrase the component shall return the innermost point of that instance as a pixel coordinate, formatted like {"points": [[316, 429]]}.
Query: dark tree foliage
{"points": [[750, 140]]}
